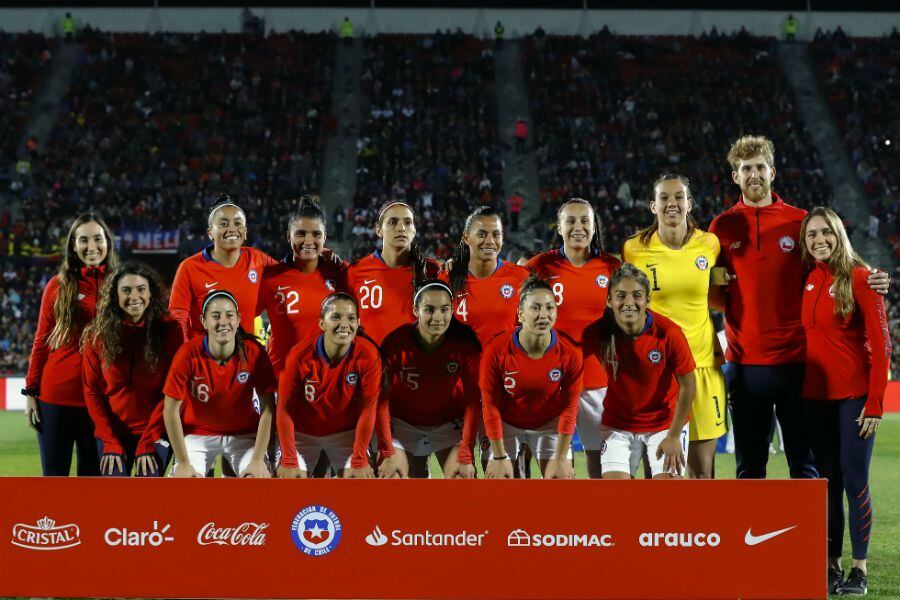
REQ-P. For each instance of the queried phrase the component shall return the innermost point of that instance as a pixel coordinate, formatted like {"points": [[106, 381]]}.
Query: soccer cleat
{"points": [[835, 580], [856, 583]]}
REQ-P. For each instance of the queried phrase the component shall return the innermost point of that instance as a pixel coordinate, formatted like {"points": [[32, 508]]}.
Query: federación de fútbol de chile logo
{"points": [[316, 530]]}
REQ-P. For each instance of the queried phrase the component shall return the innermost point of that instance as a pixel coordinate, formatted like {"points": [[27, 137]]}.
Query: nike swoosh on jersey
{"points": [[752, 540], [369, 281], [281, 288], [209, 285], [651, 265]]}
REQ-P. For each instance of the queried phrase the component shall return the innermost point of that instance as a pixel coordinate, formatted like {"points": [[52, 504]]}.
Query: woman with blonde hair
{"points": [[848, 350], [54, 397]]}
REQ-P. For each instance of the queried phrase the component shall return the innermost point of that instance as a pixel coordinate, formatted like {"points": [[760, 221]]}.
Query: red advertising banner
{"points": [[412, 538]]}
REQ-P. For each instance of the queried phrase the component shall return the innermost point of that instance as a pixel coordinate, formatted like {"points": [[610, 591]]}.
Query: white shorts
{"points": [[542, 441], [203, 449], [590, 410], [622, 450], [338, 447], [423, 441]]}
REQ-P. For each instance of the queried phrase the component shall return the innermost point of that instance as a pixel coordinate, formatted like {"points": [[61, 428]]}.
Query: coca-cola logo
{"points": [[245, 534]]}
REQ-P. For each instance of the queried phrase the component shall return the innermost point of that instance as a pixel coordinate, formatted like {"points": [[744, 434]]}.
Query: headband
{"points": [[216, 294], [338, 296], [574, 201], [215, 208], [389, 205], [436, 284]]}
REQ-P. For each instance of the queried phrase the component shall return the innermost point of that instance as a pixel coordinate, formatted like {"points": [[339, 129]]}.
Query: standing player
{"points": [[651, 381], [226, 264], [127, 350], [677, 259], [483, 285], [292, 291], [848, 355], [54, 396], [327, 396], [579, 274], [215, 376], [530, 380], [384, 281], [759, 238], [431, 400]]}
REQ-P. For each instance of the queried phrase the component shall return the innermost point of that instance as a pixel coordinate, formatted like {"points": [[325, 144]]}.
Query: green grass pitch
{"points": [[19, 457]]}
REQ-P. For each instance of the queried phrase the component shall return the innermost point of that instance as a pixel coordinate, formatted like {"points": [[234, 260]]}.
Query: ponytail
{"points": [[462, 254]]}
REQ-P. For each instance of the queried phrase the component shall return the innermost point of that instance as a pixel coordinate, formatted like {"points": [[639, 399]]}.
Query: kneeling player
{"points": [[430, 404], [530, 383], [651, 381], [327, 396], [214, 376]]}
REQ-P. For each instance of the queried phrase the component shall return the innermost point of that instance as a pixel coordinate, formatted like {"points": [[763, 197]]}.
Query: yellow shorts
{"points": [[708, 409]]}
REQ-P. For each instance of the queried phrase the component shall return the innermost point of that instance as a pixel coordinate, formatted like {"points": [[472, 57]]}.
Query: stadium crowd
{"points": [[23, 58], [612, 112], [429, 135], [155, 126]]}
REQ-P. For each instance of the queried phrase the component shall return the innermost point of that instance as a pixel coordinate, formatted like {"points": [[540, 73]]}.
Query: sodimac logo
{"points": [[46, 535], [519, 538]]}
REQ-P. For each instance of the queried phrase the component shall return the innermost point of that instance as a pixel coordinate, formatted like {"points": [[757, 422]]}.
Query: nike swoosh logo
{"points": [[368, 281], [209, 285], [651, 265], [720, 423], [554, 277], [510, 372], [283, 287], [752, 540]]}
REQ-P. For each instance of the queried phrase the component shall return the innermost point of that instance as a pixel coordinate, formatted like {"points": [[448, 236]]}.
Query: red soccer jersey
{"points": [[319, 398], [529, 392], [293, 301], [200, 274], [489, 305], [54, 375], [642, 392], [580, 298], [385, 295], [427, 389], [125, 397], [845, 358], [218, 399], [761, 245]]}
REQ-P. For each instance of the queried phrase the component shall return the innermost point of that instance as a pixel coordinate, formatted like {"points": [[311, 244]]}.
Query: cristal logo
{"points": [[46, 535], [678, 539], [122, 536], [245, 534], [376, 538], [519, 538], [425, 538]]}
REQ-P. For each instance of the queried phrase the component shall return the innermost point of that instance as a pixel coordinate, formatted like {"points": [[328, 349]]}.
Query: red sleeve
{"points": [[156, 424], [96, 400], [472, 395], [488, 377], [180, 299], [371, 386], [41, 350], [263, 374], [871, 306], [383, 416], [267, 261], [263, 297], [177, 380], [283, 419], [680, 351], [571, 390]]}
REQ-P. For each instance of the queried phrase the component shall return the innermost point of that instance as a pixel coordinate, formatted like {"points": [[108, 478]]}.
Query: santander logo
{"points": [[245, 534], [376, 538]]}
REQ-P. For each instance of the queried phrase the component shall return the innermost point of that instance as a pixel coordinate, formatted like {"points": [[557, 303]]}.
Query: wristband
{"points": [[504, 457]]}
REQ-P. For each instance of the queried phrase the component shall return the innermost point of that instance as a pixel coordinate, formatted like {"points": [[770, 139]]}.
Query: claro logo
{"points": [[45, 536], [658, 539], [122, 536], [245, 534], [519, 538]]}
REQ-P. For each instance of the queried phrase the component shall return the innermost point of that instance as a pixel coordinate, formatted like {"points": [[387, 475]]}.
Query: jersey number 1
{"points": [[655, 281]]}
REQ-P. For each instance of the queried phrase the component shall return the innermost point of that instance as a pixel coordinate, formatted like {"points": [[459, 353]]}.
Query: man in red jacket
{"points": [[760, 243]]}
